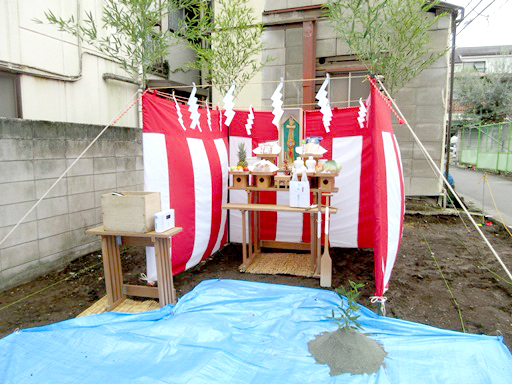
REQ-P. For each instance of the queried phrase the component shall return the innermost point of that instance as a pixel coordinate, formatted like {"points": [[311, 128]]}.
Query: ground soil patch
{"points": [[418, 292]]}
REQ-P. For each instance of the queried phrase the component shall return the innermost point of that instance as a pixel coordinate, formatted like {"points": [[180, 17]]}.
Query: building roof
{"points": [[481, 51]]}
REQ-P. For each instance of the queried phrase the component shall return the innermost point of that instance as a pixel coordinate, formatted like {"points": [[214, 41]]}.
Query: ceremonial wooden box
{"points": [[130, 211]]}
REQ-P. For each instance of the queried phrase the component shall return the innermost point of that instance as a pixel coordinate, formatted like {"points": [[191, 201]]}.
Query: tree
{"points": [[228, 44], [388, 36], [127, 33], [485, 97]]}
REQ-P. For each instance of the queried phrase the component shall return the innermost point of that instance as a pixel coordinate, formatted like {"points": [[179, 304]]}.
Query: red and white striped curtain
{"points": [[189, 167]]}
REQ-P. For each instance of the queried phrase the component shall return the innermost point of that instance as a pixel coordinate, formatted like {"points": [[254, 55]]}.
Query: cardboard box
{"points": [[130, 211]]}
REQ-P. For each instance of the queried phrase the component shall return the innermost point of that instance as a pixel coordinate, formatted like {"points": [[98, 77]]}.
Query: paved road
{"points": [[470, 185]]}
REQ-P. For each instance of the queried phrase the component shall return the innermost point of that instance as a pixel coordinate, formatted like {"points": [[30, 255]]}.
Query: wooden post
{"points": [[166, 291], [308, 63], [244, 239], [112, 270]]}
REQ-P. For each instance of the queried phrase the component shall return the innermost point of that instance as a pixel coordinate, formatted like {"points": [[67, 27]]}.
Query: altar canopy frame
{"points": [[190, 168]]}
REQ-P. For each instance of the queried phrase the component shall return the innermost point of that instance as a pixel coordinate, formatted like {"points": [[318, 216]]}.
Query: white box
{"points": [[164, 220]]}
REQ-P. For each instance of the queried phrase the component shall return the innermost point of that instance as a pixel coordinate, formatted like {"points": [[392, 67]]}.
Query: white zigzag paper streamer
{"points": [[361, 116], [229, 104], [208, 116], [250, 120], [193, 109], [220, 116], [178, 111], [323, 103], [277, 103]]}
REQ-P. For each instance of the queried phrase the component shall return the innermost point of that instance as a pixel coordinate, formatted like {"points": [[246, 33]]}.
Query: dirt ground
{"points": [[444, 276]]}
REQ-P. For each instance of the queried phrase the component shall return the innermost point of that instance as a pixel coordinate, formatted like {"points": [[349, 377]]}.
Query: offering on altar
{"points": [[268, 148], [238, 168], [331, 166], [263, 166], [310, 149]]}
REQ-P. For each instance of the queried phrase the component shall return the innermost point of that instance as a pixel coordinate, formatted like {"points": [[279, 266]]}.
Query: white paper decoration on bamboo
{"points": [[229, 113], [193, 108], [323, 103], [277, 103]]}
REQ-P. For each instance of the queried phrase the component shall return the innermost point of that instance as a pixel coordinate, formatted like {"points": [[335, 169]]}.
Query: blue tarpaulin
{"points": [[241, 332]]}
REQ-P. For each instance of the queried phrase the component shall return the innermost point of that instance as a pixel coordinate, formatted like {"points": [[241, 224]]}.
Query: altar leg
{"points": [[112, 270], [244, 239], [166, 291]]}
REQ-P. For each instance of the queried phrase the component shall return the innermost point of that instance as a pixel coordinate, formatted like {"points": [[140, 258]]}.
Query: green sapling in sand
{"points": [[347, 350], [347, 318]]}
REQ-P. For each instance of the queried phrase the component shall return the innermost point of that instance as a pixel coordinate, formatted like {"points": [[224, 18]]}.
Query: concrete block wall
{"points": [[33, 155], [422, 101]]}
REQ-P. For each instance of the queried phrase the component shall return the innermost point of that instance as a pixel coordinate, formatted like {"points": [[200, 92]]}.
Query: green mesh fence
{"points": [[486, 147]]}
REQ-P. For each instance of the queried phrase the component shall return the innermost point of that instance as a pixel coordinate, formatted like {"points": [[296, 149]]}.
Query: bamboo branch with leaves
{"points": [[228, 44], [127, 33], [390, 37]]}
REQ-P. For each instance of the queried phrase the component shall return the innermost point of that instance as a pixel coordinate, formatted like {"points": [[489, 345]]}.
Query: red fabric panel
{"points": [[379, 121], [160, 116], [365, 227], [376, 125]]}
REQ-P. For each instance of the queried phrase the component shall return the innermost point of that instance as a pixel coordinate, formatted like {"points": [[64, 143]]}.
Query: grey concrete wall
{"points": [[422, 100], [33, 155]]}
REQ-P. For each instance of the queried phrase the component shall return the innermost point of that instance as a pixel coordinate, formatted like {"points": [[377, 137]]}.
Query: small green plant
{"points": [[347, 318]]}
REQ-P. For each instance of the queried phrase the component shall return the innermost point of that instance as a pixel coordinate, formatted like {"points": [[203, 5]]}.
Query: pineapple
{"points": [[242, 155]]}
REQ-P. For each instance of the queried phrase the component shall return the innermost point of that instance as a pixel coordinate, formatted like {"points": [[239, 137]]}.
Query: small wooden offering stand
{"points": [[252, 246], [116, 289]]}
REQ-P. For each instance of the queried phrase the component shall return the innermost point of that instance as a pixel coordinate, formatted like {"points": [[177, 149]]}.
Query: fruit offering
{"points": [[238, 168], [242, 156], [332, 167]]}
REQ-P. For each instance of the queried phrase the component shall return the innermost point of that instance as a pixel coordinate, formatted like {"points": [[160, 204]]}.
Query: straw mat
{"points": [[127, 306], [281, 263]]}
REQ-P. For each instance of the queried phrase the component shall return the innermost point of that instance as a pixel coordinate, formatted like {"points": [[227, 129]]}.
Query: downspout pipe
{"points": [[454, 13]]}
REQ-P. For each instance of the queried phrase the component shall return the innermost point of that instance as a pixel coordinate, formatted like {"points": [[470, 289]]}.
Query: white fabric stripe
{"points": [[203, 200], [156, 179], [344, 224], [224, 163], [235, 217], [289, 225], [394, 201]]}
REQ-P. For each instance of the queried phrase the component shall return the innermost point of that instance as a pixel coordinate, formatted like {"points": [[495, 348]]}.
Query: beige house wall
{"points": [[62, 80], [423, 101]]}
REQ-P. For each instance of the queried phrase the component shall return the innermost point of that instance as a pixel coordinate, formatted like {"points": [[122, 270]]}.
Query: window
{"points": [[9, 96], [178, 17], [348, 80], [476, 65], [347, 88], [175, 19]]}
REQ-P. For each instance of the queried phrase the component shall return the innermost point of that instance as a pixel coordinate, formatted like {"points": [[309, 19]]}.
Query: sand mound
{"points": [[347, 352]]}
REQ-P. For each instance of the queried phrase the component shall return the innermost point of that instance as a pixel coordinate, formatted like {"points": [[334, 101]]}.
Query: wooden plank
{"points": [[272, 208], [140, 291], [274, 189], [286, 245], [138, 241], [102, 232]]}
